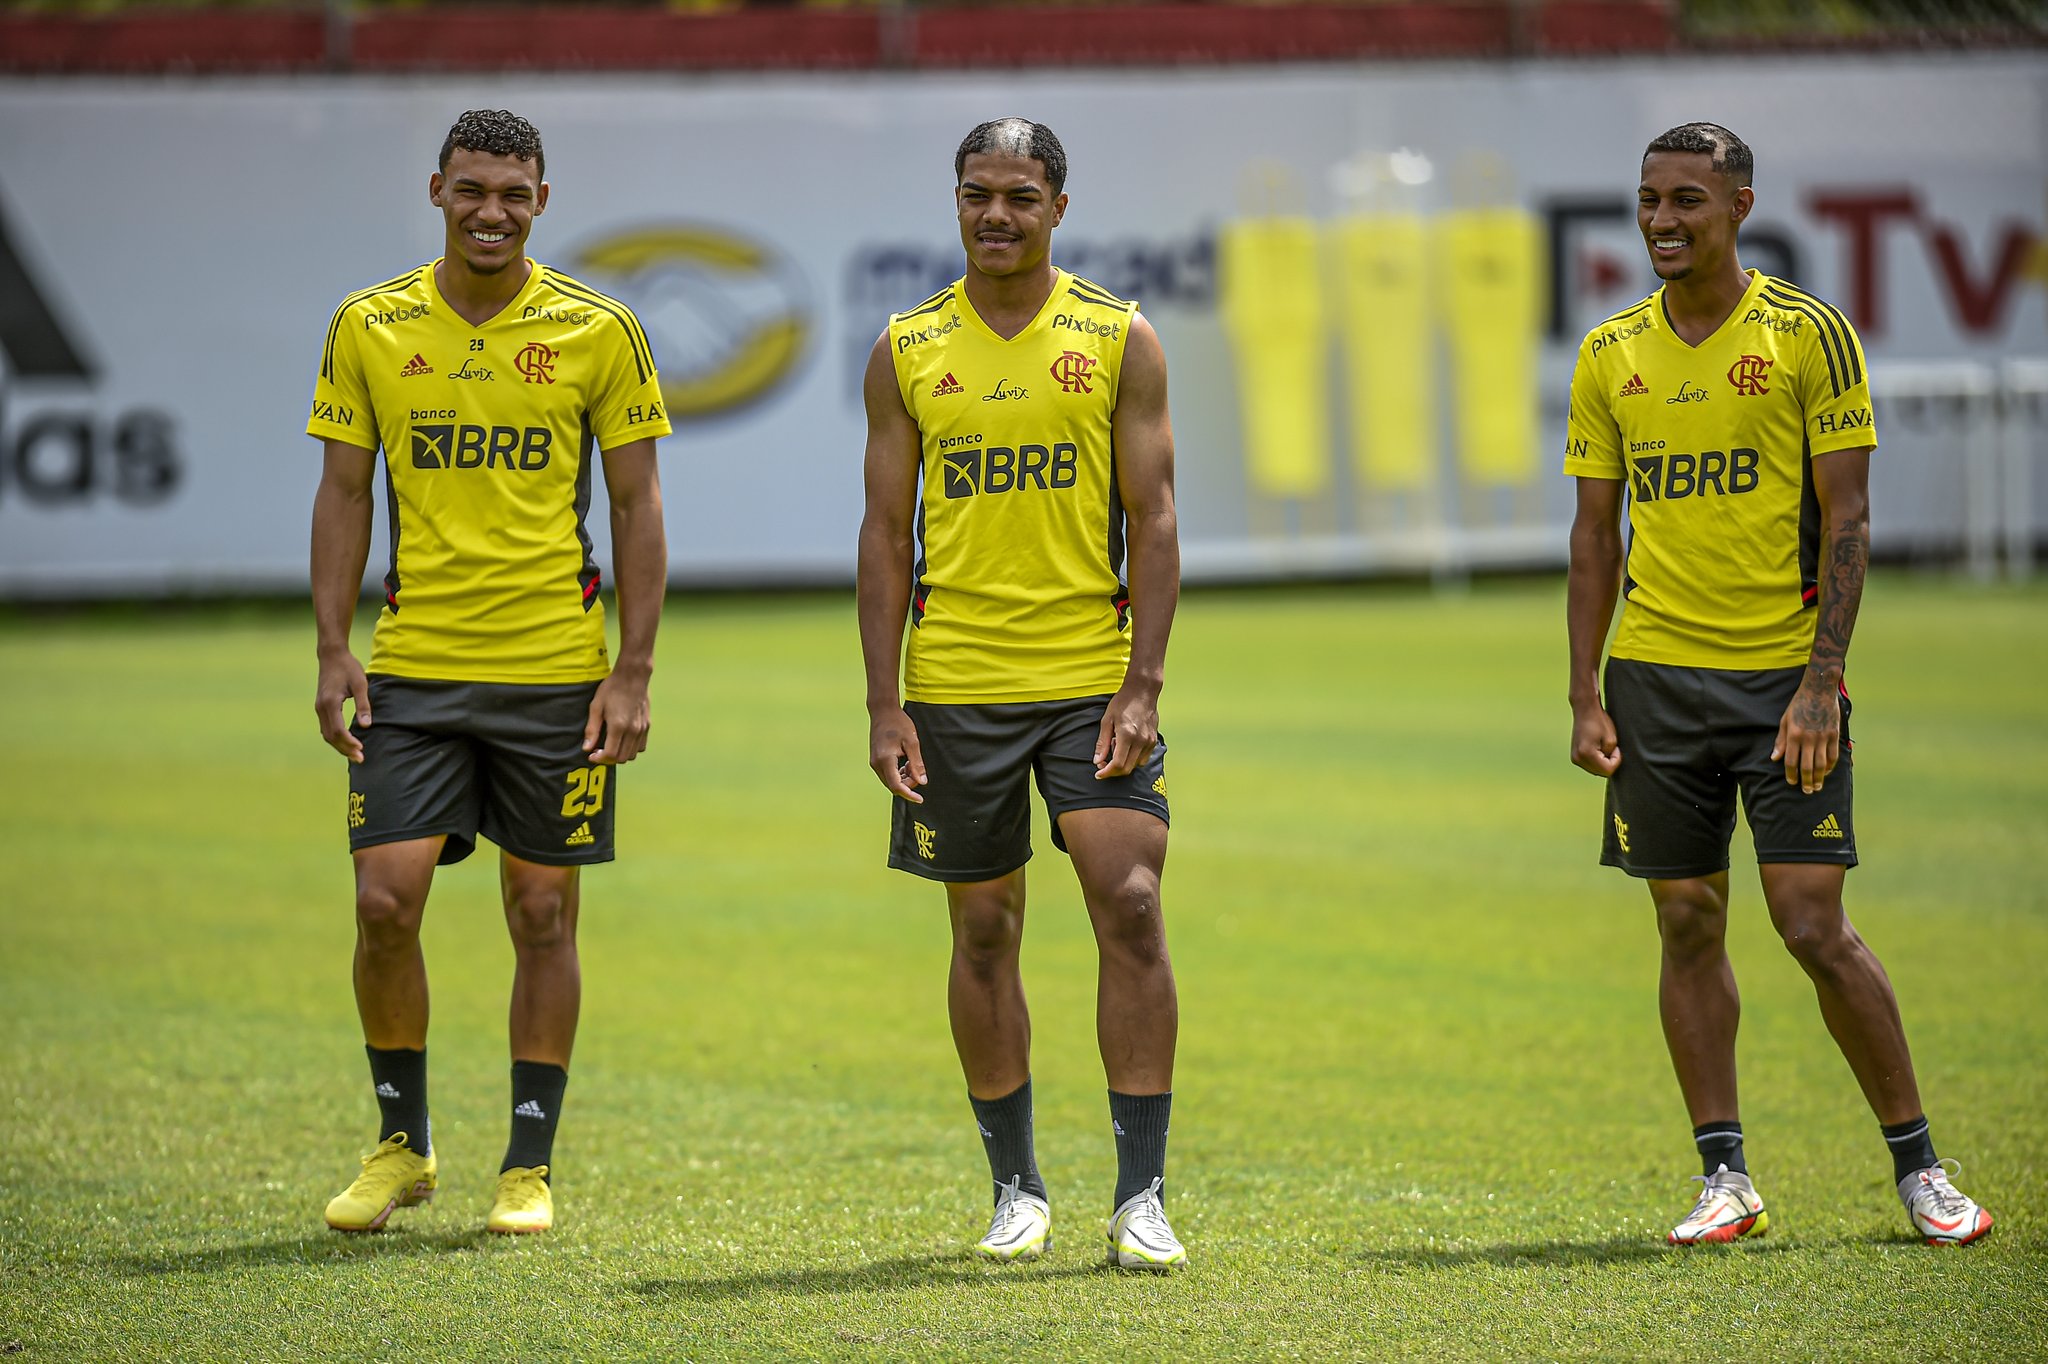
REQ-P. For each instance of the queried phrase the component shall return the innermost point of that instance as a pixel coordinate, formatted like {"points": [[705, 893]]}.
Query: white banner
{"points": [[173, 251]]}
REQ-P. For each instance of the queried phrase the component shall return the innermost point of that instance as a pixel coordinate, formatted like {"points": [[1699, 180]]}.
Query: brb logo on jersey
{"points": [[1748, 374], [1655, 478], [1073, 371], [537, 362], [999, 469], [456, 446]]}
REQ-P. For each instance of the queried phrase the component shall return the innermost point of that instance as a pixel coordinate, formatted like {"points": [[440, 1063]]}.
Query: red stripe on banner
{"points": [[204, 40], [1128, 35], [569, 37]]}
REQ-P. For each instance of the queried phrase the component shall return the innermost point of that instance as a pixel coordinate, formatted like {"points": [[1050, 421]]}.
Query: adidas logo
{"points": [[1116, 1126], [415, 366], [985, 1133], [387, 1090], [529, 1109], [1634, 388], [1828, 828], [1160, 786], [947, 385], [581, 836]]}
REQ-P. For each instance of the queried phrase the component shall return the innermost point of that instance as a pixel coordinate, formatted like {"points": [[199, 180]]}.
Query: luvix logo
{"points": [[60, 447]]}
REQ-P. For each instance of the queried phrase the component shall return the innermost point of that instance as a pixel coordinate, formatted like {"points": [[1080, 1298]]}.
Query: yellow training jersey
{"points": [[1715, 441], [488, 435], [1019, 594]]}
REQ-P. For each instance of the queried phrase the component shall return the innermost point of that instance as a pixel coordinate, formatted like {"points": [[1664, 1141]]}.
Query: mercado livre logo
{"points": [[729, 316]]}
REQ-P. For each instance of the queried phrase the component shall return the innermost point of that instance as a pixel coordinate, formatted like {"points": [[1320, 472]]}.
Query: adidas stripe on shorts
{"points": [[500, 760], [1693, 741]]}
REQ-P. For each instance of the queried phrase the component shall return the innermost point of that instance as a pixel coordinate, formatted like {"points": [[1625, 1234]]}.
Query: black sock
{"points": [[1720, 1144], [1005, 1125], [1139, 1121], [536, 1108], [1912, 1147], [400, 1076]]}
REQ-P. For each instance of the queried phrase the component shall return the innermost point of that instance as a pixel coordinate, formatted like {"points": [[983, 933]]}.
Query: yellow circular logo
{"points": [[728, 317]]}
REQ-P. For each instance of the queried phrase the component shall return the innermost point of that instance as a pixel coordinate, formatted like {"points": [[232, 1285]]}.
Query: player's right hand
{"points": [[342, 678], [1595, 746], [894, 755]]}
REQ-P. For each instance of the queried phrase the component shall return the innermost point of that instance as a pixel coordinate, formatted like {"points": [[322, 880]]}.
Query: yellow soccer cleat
{"points": [[524, 1203], [394, 1176]]}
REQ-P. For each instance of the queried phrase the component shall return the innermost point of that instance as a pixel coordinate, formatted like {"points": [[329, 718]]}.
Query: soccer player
{"points": [[489, 706], [1017, 441], [1734, 408]]}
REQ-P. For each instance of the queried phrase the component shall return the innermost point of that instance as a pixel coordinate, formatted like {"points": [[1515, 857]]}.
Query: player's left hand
{"points": [[1130, 730], [619, 717], [1810, 735]]}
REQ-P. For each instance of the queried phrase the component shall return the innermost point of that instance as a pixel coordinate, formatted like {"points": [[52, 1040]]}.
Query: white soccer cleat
{"points": [[1021, 1228], [1728, 1210], [1941, 1212], [1139, 1237]]}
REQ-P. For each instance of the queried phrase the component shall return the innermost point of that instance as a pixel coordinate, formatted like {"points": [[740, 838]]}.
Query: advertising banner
{"points": [[171, 253]]}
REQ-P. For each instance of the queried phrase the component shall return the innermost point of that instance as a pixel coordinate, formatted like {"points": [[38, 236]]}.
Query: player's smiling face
{"points": [[1688, 213], [488, 202], [1007, 213]]}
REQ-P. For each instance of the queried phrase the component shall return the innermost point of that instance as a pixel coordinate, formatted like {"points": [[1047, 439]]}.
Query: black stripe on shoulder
{"points": [[930, 305], [359, 296], [1830, 343], [1845, 334], [1626, 313], [1098, 301], [1094, 293], [576, 288], [636, 339]]}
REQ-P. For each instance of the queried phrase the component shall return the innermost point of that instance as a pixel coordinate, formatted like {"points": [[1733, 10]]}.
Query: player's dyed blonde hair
{"points": [[1015, 137], [1730, 154]]}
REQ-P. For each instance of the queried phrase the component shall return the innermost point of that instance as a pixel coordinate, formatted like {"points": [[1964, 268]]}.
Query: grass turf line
{"points": [[1423, 1108]]}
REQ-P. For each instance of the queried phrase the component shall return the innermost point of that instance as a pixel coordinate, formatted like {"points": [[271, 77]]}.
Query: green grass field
{"points": [[1423, 1107]]}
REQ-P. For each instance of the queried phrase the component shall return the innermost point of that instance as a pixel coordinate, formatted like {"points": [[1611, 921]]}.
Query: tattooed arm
{"points": [[1809, 737]]}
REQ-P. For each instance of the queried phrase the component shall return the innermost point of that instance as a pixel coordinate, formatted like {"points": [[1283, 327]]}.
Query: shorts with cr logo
{"points": [[1691, 740], [466, 758], [975, 823]]}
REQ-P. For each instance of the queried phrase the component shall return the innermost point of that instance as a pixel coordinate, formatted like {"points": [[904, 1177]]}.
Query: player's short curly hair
{"points": [[1731, 155], [496, 132], [1015, 137]]}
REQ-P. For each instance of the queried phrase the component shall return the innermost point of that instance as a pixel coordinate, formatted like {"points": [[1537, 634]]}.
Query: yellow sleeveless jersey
{"points": [[488, 435], [1715, 442], [1019, 594]]}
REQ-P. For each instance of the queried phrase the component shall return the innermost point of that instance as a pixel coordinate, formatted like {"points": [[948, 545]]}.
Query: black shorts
{"points": [[1691, 739], [467, 758], [975, 823]]}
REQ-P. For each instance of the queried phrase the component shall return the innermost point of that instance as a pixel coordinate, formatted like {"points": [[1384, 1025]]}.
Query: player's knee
{"points": [[1692, 926], [1820, 939], [988, 934], [1128, 919], [538, 917], [386, 919]]}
